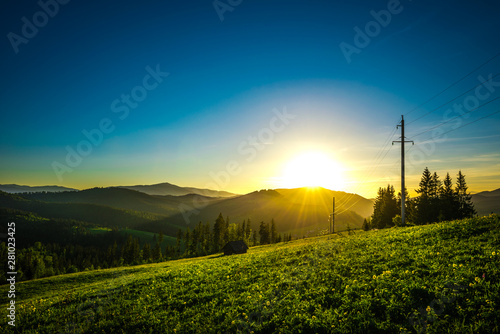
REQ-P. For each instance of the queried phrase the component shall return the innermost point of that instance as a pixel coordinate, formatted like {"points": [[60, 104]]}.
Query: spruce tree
{"points": [[248, 230], [385, 208], [146, 252], [465, 206], [390, 206], [365, 226], [264, 233], [178, 242], [274, 234], [156, 253], [448, 200], [424, 207], [218, 233], [377, 209]]}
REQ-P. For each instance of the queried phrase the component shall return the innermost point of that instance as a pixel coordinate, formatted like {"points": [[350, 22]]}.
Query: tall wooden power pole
{"points": [[402, 141], [332, 219]]}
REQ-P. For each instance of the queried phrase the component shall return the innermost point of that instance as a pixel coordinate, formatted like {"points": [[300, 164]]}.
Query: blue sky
{"points": [[228, 79]]}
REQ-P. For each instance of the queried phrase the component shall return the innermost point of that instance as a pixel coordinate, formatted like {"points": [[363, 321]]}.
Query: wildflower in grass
{"points": [[493, 253], [428, 309]]}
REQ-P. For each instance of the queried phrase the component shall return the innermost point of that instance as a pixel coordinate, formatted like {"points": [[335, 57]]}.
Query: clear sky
{"points": [[243, 95]]}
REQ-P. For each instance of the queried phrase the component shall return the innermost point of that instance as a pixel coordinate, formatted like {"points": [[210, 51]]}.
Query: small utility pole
{"points": [[402, 141], [332, 220]]}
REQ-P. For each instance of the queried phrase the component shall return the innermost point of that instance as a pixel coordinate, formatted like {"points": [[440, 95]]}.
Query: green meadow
{"points": [[439, 278]]}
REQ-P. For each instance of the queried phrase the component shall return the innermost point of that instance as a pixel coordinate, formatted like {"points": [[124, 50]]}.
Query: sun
{"points": [[312, 169]]}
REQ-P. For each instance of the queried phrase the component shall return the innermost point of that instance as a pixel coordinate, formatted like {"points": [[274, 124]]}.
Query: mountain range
{"points": [[301, 211], [166, 207], [15, 188], [171, 189], [487, 202], [154, 189]]}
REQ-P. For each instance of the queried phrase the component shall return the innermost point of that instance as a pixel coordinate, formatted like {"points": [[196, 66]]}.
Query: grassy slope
{"points": [[443, 277]]}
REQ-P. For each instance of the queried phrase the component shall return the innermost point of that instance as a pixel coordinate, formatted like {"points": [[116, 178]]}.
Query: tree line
{"points": [[68, 246], [203, 240], [436, 201]]}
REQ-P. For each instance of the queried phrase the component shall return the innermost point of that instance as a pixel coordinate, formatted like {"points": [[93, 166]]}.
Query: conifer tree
{"points": [[274, 234], [146, 252], [218, 233], [156, 253], [178, 242], [264, 233], [424, 211], [248, 230], [448, 200], [385, 208], [365, 226], [465, 206]]}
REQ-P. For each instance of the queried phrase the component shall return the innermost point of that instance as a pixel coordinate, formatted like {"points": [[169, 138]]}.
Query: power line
{"points": [[443, 123], [453, 84], [377, 162], [442, 105], [477, 120]]}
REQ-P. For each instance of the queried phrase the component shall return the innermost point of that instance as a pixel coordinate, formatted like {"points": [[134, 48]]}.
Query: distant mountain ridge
{"points": [[300, 211], [487, 202], [161, 189], [98, 214], [15, 188], [166, 188], [121, 198]]}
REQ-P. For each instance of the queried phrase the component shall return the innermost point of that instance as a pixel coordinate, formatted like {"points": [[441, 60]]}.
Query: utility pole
{"points": [[332, 218], [402, 141]]}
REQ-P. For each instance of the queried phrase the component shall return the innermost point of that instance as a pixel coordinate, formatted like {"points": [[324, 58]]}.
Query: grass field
{"points": [[440, 278]]}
